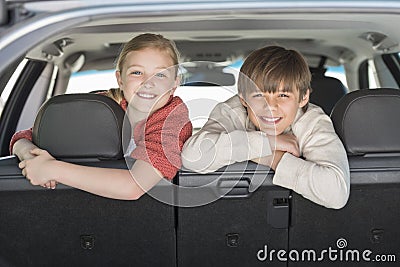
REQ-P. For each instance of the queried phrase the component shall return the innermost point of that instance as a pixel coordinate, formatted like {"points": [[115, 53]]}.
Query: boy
{"points": [[271, 122]]}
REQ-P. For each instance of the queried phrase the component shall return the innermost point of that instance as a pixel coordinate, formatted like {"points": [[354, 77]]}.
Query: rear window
{"points": [[200, 98]]}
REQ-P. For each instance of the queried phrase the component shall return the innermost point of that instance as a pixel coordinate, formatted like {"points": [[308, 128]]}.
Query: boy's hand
{"points": [[271, 161], [285, 142], [36, 170]]}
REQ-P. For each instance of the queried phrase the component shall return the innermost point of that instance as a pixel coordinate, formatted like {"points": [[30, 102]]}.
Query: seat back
{"points": [[234, 229], [367, 123], [70, 227], [326, 91]]}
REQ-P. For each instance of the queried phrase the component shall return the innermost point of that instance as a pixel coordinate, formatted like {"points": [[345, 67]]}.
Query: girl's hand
{"points": [[50, 185], [38, 169]]}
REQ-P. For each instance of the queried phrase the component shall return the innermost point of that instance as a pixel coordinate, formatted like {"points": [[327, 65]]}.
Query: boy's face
{"points": [[147, 79], [273, 113]]}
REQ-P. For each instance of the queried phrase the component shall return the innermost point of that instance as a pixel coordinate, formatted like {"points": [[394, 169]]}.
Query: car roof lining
{"points": [[230, 36]]}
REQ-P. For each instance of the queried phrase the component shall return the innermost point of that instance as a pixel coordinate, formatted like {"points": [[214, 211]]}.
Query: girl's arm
{"points": [[21, 144], [22, 148], [111, 183]]}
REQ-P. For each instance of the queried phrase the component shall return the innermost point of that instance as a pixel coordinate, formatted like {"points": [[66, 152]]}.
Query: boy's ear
{"points": [[244, 103], [306, 98]]}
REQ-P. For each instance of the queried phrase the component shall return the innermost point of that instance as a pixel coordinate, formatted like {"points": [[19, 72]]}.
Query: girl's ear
{"points": [[306, 98], [177, 82], [119, 78]]}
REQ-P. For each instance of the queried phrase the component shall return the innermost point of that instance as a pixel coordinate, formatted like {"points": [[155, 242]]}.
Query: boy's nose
{"points": [[271, 103]]}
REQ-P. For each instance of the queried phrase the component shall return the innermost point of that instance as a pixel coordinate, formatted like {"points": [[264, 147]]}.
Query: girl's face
{"points": [[147, 79], [273, 112]]}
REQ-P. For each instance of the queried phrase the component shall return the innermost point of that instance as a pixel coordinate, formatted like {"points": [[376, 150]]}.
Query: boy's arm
{"points": [[323, 175], [223, 141]]}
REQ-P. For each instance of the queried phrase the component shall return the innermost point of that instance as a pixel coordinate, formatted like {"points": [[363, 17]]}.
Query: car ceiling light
{"points": [[379, 41]]}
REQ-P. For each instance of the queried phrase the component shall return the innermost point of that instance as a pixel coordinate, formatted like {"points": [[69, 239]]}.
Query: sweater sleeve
{"points": [[222, 141], [323, 175], [160, 139], [24, 134]]}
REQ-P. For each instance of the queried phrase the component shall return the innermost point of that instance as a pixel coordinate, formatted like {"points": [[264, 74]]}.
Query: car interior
{"points": [[353, 54]]}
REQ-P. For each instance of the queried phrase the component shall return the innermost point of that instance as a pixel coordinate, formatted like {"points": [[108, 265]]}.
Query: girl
{"points": [[147, 78]]}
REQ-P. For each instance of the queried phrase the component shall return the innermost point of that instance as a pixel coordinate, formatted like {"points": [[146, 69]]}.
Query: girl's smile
{"points": [[146, 95], [148, 79]]}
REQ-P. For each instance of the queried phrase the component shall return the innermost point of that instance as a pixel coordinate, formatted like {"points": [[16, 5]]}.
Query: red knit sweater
{"points": [[159, 139]]}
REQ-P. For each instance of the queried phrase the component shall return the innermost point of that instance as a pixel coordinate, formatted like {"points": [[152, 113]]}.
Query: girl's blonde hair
{"points": [[142, 41]]}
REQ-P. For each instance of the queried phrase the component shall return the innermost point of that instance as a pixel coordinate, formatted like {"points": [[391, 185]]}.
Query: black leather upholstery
{"points": [[367, 121], [80, 126], [326, 91]]}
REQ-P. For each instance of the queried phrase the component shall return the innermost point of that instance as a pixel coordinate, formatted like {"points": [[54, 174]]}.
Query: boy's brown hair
{"points": [[270, 67]]}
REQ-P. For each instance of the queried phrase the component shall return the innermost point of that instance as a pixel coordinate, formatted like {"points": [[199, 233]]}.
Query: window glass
{"points": [[10, 85], [199, 99], [91, 80], [337, 72], [373, 81]]}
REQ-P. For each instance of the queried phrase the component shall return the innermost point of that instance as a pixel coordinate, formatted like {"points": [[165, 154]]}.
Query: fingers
{"points": [[53, 184], [50, 185], [37, 151], [22, 164], [24, 172], [294, 150]]}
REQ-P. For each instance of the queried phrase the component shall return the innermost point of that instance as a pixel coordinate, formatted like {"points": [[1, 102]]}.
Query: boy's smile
{"points": [[273, 112], [270, 120]]}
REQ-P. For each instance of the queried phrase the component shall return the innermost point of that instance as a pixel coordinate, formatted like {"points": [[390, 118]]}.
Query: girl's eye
{"points": [[161, 75]]}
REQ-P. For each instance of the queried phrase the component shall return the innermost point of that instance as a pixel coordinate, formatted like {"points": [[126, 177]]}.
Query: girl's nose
{"points": [[148, 82]]}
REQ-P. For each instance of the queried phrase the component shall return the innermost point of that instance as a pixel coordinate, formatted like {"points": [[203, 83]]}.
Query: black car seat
{"points": [[367, 123], [70, 227], [326, 91]]}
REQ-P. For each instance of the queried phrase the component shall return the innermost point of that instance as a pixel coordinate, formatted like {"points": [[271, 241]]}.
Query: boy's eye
{"points": [[136, 72], [258, 95], [283, 95]]}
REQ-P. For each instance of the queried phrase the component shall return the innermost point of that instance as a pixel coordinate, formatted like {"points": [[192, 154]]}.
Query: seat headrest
{"points": [[326, 91], [367, 121], [81, 126]]}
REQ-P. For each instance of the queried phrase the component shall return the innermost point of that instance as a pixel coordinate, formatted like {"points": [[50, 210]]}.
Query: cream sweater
{"points": [[321, 174]]}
